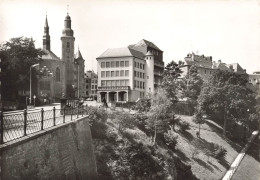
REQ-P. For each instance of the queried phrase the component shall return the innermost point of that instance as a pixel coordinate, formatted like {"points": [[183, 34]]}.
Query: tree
{"points": [[191, 86], [171, 75], [17, 56], [161, 116], [226, 96]]}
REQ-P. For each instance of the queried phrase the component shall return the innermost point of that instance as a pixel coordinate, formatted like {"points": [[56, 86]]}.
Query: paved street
{"points": [[249, 168]]}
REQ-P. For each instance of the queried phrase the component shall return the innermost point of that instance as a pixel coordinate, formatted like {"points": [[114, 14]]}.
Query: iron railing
{"points": [[20, 124]]}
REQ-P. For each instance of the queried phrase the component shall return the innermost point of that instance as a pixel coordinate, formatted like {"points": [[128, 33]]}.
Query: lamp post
{"points": [[34, 65]]}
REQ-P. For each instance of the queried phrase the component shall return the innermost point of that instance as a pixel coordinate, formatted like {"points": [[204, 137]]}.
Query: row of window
{"points": [[139, 84], [114, 64], [105, 83], [139, 74], [94, 87], [139, 65], [115, 73]]}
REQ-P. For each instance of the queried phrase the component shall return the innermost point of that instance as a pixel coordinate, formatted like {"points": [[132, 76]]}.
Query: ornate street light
{"points": [[34, 65]]}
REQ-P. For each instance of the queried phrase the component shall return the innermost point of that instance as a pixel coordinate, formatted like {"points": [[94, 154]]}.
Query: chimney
{"points": [[219, 61], [210, 58], [244, 70]]}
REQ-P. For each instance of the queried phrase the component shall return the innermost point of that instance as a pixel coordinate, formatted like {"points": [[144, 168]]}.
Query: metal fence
{"points": [[20, 124]]}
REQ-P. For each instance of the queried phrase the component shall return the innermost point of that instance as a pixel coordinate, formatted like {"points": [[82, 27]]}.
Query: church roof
{"points": [[144, 42], [78, 55], [121, 52], [49, 56]]}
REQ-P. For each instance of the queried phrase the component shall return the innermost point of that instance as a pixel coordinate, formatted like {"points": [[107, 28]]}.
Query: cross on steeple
{"points": [[67, 9]]}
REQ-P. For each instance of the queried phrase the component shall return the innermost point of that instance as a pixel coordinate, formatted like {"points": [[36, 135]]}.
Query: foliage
{"points": [[143, 105], [191, 86], [170, 140], [17, 56], [171, 74], [226, 96], [141, 121], [125, 120], [161, 116], [97, 119], [183, 125]]}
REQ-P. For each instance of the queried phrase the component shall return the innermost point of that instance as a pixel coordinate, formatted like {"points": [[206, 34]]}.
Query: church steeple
{"points": [[46, 36], [67, 31]]}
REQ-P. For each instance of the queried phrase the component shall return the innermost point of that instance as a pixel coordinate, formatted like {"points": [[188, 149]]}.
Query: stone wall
{"points": [[63, 152]]}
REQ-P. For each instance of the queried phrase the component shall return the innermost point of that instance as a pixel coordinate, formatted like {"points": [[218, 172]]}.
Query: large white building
{"points": [[129, 73]]}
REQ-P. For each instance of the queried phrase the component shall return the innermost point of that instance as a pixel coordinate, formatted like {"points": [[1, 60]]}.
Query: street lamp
{"points": [[34, 65]]}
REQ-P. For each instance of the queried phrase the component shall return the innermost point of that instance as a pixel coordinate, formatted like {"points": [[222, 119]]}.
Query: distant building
{"points": [[129, 73], [205, 65], [63, 76], [91, 80], [254, 79]]}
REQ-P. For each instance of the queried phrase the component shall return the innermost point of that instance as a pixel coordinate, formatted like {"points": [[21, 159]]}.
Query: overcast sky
{"points": [[226, 30]]}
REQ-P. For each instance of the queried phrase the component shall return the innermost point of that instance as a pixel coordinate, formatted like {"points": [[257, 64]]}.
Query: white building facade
{"points": [[126, 74]]}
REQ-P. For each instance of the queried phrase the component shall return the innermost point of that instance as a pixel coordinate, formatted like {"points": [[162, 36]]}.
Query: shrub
{"points": [[220, 153], [170, 140], [183, 126], [125, 120], [97, 119]]}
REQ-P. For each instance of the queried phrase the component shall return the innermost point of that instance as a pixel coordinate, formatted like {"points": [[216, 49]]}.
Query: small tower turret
{"points": [[149, 57]]}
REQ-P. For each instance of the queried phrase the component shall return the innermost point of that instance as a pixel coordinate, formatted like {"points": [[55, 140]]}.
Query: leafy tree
{"points": [[191, 86], [161, 116], [226, 96], [17, 56], [171, 74]]}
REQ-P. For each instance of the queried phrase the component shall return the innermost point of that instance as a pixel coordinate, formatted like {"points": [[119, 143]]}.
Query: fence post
{"points": [[82, 109], [25, 122], [42, 118], [54, 123], [2, 127], [71, 112], [77, 111], [64, 111]]}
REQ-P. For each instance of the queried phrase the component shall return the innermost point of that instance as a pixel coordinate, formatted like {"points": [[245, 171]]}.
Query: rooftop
{"points": [[121, 52]]}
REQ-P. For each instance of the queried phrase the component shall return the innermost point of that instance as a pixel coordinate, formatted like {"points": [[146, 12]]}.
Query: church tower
{"points": [[46, 36], [67, 42]]}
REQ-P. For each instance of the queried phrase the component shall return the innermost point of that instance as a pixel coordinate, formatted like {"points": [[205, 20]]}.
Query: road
{"points": [[249, 167]]}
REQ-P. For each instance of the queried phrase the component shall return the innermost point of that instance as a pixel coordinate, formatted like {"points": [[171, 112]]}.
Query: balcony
{"points": [[113, 88]]}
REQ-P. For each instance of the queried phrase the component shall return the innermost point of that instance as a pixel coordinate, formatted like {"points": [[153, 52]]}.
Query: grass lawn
{"points": [[190, 149]]}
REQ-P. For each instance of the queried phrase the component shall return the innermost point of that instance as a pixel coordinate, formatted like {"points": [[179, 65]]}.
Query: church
{"points": [[63, 76]]}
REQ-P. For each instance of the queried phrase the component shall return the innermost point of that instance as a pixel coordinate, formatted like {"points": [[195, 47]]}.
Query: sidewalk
{"points": [[239, 158]]}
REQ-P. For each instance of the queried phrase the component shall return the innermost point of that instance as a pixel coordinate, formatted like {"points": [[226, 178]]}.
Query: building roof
{"points": [[78, 55], [149, 53], [121, 52], [144, 42], [50, 56]]}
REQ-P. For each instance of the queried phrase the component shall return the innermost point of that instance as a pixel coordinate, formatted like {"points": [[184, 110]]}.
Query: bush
{"points": [[170, 140], [220, 153], [97, 121], [184, 126]]}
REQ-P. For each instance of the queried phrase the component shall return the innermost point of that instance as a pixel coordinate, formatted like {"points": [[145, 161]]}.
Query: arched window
{"points": [[57, 74], [68, 45]]}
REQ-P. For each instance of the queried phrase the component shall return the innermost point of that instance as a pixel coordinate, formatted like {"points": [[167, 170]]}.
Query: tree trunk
{"points": [[154, 137], [225, 125]]}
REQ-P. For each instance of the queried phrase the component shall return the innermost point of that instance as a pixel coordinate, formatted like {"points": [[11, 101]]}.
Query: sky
{"points": [[224, 29]]}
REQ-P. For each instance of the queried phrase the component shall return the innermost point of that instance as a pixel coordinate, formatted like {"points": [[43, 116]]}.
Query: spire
{"points": [[46, 22], [78, 54], [46, 36]]}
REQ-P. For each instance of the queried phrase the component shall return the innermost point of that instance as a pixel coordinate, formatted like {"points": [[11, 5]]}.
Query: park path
{"points": [[239, 158]]}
